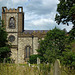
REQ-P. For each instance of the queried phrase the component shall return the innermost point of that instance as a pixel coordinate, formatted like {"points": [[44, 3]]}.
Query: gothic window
{"points": [[11, 38], [27, 52], [12, 23]]}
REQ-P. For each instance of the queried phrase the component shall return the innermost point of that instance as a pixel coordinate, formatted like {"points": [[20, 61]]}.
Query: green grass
{"points": [[20, 69], [24, 69]]}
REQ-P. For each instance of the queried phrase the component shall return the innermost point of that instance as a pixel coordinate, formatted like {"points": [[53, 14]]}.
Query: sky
{"points": [[38, 14]]}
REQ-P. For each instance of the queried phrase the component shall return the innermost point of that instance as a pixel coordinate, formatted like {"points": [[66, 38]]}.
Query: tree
{"points": [[68, 56], [66, 12], [4, 47], [53, 45], [72, 34], [56, 45], [69, 59]]}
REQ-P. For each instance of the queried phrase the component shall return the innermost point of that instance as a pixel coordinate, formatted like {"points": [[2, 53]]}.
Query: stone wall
{"points": [[15, 41], [22, 43], [14, 55], [35, 45], [8, 16]]}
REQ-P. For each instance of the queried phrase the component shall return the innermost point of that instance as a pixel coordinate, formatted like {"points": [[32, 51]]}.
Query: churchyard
{"points": [[35, 69], [24, 52]]}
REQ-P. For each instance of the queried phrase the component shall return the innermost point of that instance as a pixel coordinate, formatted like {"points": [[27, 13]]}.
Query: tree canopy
{"points": [[56, 45], [66, 12], [53, 45], [72, 34]]}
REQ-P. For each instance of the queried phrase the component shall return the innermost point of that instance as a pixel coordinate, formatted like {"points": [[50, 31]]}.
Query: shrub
{"points": [[33, 59]]}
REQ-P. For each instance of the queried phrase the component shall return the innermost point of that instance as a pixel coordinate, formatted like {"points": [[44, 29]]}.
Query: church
{"points": [[23, 42]]}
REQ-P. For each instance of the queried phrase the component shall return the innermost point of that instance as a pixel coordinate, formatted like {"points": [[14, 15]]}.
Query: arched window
{"points": [[12, 23], [27, 52]]}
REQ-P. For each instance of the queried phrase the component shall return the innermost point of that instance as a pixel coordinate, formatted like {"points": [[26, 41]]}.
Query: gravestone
{"points": [[38, 63], [29, 64], [38, 60], [57, 68], [47, 63], [4, 61]]}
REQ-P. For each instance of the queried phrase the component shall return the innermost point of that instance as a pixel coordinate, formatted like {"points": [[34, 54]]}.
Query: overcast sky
{"points": [[38, 14]]}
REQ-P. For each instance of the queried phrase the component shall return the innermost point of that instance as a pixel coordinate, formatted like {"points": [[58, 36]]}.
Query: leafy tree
{"points": [[72, 34], [73, 46], [3, 36], [4, 47], [56, 45], [66, 12], [68, 57], [53, 45]]}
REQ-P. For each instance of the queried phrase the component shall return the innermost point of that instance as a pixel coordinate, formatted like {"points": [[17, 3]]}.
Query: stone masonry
{"points": [[24, 42]]}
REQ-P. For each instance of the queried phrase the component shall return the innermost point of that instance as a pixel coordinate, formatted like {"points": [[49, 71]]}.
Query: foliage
{"points": [[4, 47], [57, 45], [41, 50], [68, 59], [53, 45], [68, 56], [33, 59], [73, 46], [3, 36], [72, 34], [66, 12]]}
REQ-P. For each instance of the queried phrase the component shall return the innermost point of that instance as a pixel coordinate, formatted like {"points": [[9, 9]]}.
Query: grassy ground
{"points": [[24, 69], [15, 69]]}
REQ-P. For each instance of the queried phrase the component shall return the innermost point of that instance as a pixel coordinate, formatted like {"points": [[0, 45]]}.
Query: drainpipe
{"points": [[17, 37], [32, 43]]}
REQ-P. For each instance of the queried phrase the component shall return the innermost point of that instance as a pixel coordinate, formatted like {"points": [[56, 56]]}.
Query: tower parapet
{"points": [[18, 16], [12, 10]]}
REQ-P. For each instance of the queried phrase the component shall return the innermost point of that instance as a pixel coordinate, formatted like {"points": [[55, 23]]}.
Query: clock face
{"points": [[12, 23], [11, 38]]}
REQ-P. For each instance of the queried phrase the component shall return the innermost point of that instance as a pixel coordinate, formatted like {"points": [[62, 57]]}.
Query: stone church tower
{"points": [[23, 42]]}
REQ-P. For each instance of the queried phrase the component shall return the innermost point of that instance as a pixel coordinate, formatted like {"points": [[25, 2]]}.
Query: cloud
{"points": [[0, 0], [42, 7], [40, 24], [68, 28], [19, 1], [39, 14]]}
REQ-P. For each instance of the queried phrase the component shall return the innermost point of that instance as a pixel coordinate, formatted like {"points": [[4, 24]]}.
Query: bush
{"points": [[33, 59], [8, 59]]}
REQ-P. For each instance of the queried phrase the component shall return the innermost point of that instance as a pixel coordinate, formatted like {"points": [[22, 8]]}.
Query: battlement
{"points": [[36, 33], [5, 10]]}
